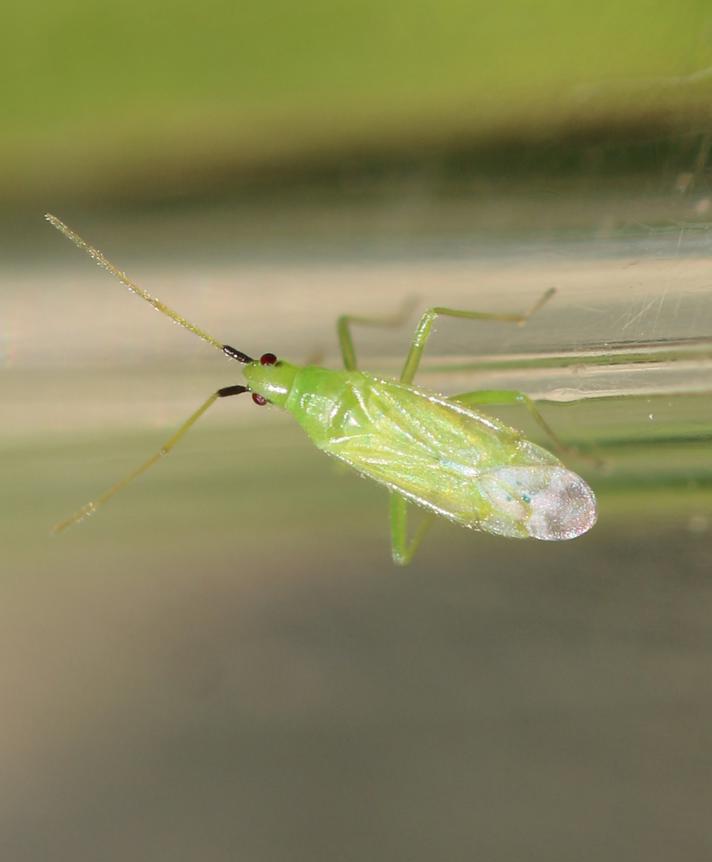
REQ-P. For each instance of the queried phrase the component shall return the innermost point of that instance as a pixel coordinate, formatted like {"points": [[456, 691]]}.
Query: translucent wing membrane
{"points": [[546, 502]]}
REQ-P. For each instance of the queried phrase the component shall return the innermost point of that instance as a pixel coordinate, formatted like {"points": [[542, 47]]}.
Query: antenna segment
{"points": [[125, 280]]}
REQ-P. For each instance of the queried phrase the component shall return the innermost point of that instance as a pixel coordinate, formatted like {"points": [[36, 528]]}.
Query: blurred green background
{"points": [[148, 102], [224, 664]]}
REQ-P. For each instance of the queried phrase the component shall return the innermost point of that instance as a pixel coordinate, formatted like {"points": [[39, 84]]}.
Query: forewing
{"points": [[436, 453]]}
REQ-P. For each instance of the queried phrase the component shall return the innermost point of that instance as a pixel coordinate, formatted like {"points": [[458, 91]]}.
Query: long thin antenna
{"points": [[92, 506], [132, 286]]}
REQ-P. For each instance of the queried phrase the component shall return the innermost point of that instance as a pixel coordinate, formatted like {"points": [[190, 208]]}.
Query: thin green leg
{"points": [[424, 328], [344, 323], [504, 397], [402, 548]]}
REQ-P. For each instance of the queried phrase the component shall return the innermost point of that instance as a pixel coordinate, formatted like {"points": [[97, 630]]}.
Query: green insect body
{"points": [[427, 449], [459, 464]]}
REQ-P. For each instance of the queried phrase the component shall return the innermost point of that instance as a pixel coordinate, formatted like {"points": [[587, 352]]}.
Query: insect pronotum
{"points": [[428, 449]]}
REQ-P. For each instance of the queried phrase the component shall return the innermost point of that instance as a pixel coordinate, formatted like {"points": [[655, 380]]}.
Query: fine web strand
{"points": [[125, 280]]}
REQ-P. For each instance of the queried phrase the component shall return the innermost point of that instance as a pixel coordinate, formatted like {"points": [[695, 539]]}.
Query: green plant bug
{"points": [[430, 450]]}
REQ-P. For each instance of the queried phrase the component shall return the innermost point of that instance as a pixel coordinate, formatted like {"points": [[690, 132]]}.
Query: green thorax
{"points": [[313, 395], [326, 402], [310, 393], [273, 382]]}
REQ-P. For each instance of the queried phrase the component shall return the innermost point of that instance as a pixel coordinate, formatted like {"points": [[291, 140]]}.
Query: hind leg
{"points": [[506, 397], [403, 548]]}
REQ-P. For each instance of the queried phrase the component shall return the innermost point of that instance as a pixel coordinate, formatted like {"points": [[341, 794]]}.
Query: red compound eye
{"points": [[268, 359], [259, 399]]}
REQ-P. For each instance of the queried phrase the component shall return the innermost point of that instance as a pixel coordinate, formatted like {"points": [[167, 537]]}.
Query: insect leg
{"points": [[424, 328], [401, 548], [92, 506], [344, 323], [505, 397]]}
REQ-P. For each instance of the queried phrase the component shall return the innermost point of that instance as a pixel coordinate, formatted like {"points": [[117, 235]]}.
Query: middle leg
{"points": [[424, 328]]}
